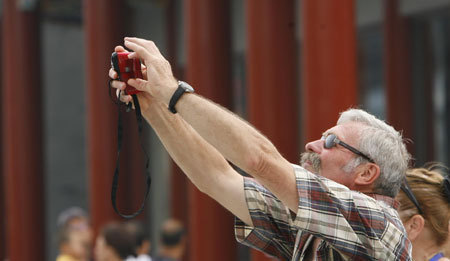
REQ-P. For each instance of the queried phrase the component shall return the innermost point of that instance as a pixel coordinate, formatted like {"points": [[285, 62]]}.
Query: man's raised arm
{"points": [[201, 162], [234, 138]]}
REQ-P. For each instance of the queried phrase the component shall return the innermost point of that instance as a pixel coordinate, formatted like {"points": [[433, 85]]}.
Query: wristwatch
{"points": [[183, 87]]}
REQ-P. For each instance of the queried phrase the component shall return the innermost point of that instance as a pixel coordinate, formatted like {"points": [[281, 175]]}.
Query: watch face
{"points": [[185, 86]]}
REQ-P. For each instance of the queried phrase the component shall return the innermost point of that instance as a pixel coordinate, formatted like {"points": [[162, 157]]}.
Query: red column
{"points": [[211, 234], [329, 76], [22, 135], [2, 219], [104, 24], [398, 70], [3, 214], [2, 195], [272, 81]]}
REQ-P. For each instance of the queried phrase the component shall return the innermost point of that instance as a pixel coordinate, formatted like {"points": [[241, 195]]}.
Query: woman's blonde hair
{"points": [[429, 187]]}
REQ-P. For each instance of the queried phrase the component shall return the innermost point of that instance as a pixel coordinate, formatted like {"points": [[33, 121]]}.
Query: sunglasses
{"points": [[408, 192], [331, 141]]}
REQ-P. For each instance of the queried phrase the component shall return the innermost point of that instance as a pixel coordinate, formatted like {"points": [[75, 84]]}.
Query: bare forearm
{"points": [[201, 162], [179, 138], [241, 144], [237, 140]]}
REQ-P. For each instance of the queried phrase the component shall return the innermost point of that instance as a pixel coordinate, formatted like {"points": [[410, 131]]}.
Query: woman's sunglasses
{"points": [[408, 192]]}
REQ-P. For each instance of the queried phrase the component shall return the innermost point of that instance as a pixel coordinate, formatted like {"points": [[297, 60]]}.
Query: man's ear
{"points": [[367, 174], [414, 226]]}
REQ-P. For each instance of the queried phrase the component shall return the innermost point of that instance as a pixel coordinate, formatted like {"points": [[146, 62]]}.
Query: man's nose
{"points": [[314, 146]]}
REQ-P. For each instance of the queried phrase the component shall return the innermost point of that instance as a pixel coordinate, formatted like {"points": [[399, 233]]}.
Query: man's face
{"points": [[330, 163]]}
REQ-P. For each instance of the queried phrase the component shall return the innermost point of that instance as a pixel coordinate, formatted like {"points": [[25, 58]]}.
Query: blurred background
{"points": [[287, 66]]}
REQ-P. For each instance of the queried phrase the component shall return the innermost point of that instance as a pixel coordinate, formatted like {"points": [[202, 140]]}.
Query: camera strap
{"points": [[115, 183]]}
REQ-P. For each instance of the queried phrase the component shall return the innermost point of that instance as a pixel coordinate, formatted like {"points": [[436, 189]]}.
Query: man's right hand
{"points": [[145, 99], [160, 82]]}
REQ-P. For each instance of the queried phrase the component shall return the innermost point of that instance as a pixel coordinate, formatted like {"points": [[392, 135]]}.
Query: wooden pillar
{"points": [[3, 218], [104, 30], [397, 63], [211, 234], [22, 136], [421, 87], [272, 81], [2, 194], [179, 194], [329, 76], [447, 99]]}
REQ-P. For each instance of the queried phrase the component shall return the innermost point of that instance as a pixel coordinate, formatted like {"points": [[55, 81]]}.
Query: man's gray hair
{"points": [[384, 145]]}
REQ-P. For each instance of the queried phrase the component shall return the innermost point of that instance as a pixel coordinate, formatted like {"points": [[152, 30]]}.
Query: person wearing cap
{"points": [[74, 235]]}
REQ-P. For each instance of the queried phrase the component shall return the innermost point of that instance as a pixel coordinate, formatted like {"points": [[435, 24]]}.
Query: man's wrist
{"points": [[182, 88], [168, 90], [155, 110]]}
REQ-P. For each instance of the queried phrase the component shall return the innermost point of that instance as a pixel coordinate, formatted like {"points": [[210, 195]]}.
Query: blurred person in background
{"points": [[172, 241], [74, 235], [141, 238], [425, 211], [114, 243]]}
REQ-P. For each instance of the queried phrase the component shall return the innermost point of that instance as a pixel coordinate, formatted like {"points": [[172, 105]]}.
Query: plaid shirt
{"points": [[350, 224]]}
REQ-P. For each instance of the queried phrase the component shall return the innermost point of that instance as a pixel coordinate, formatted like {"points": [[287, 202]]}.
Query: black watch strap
{"points": [[177, 95]]}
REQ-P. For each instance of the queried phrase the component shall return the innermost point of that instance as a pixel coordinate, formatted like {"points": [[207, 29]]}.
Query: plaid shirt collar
{"points": [[391, 202]]}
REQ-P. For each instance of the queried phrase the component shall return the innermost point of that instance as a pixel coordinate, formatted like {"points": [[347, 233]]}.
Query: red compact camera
{"points": [[126, 68]]}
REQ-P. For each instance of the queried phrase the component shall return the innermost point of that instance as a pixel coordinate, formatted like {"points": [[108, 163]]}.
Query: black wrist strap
{"points": [[175, 97], [115, 183]]}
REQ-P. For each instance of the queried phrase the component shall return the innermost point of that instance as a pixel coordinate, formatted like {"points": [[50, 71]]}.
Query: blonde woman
{"points": [[425, 211]]}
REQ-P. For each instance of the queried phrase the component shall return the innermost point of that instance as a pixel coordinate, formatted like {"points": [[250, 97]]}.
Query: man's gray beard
{"points": [[313, 158]]}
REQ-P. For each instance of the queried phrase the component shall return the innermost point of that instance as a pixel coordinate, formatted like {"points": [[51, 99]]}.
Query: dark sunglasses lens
{"points": [[329, 141]]}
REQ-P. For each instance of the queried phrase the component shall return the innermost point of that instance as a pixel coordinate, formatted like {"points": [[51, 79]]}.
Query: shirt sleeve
{"points": [[272, 232]]}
